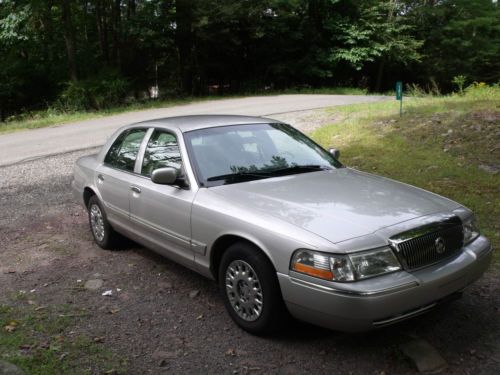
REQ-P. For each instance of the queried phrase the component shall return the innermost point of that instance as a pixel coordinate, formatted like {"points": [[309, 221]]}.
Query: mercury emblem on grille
{"points": [[440, 246]]}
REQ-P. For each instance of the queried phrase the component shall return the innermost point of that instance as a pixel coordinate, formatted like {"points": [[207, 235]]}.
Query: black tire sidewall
{"points": [[273, 306]]}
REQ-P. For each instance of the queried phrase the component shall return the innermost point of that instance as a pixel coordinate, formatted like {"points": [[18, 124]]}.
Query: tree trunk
{"points": [[48, 32], [381, 65], [69, 39], [116, 18], [102, 30], [380, 75], [184, 40], [130, 9]]}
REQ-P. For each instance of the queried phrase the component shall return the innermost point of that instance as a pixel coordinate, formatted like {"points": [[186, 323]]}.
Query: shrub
{"points": [[482, 91], [97, 93], [460, 82]]}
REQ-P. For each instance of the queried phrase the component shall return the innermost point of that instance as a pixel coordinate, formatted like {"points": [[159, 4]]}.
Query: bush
{"points": [[96, 93], [482, 91], [460, 82]]}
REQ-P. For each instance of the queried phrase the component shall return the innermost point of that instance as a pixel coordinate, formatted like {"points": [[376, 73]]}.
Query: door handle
{"points": [[135, 189], [100, 177]]}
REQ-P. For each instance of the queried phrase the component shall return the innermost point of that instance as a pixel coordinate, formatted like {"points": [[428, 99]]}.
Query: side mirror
{"points": [[335, 152], [164, 176]]}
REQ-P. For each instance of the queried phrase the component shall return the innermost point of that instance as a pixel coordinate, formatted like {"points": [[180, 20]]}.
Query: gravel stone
{"points": [[93, 284], [425, 357]]}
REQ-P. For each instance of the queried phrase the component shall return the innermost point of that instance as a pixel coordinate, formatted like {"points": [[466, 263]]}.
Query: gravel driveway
{"points": [[167, 319]]}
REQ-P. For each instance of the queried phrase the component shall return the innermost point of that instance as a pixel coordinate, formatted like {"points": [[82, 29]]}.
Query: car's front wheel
{"points": [[250, 289], [103, 233]]}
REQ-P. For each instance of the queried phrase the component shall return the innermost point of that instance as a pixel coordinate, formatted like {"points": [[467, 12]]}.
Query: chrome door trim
{"points": [[184, 240], [198, 247]]}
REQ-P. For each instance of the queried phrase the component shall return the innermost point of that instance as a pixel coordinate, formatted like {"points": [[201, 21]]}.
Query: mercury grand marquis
{"points": [[279, 223]]}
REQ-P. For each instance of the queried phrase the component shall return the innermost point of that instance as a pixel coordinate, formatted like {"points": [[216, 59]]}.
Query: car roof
{"points": [[194, 122]]}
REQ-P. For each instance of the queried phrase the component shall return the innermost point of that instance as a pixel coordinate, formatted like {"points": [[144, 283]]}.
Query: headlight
{"points": [[471, 230], [374, 262], [350, 267]]}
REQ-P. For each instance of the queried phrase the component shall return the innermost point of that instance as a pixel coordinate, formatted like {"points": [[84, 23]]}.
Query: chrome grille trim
{"points": [[423, 246]]}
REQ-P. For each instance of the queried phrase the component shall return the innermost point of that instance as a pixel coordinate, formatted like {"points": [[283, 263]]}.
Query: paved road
{"points": [[26, 145]]}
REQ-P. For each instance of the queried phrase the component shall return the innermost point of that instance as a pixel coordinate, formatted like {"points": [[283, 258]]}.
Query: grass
{"points": [[52, 117], [442, 144], [40, 342]]}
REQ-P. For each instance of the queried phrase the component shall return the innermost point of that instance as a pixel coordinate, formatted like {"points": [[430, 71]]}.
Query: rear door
{"points": [[163, 211], [113, 176]]}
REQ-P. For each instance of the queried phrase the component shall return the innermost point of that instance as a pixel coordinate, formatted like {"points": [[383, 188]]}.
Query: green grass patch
{"points": [[448, 145], [53, 117], [38, 340]]}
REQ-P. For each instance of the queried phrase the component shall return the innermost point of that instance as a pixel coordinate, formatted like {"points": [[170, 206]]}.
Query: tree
{"points": [[57, 51], [69, 39]]}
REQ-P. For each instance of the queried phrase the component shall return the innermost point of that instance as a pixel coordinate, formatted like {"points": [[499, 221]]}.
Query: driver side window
{"points": [[162, 151]]}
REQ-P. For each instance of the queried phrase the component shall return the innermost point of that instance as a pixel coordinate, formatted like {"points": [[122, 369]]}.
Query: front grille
{"points": [[432, 244]]}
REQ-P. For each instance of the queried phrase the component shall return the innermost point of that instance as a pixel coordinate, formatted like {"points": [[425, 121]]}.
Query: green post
{"points": [[399, 96]]}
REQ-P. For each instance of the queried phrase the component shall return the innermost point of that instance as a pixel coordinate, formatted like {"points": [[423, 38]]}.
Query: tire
{"points": [[104, 235], [254, 301]]}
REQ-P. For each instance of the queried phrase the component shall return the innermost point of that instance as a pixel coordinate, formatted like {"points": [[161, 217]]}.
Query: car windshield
{"points": [[239, 153]]}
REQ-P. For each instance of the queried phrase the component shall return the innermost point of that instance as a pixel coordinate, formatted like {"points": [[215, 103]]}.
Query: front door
{"points": [[163, 211]]}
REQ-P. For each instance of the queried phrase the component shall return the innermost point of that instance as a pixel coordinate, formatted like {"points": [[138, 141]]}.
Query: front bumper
{"points": [[371, 303]]}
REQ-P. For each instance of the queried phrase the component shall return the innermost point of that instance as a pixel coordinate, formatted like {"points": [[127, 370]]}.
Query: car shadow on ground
{"points": [[464, 317]]}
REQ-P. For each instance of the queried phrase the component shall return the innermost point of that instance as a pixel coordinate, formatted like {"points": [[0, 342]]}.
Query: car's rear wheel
{"points": [[103, 233], [250, 289]]}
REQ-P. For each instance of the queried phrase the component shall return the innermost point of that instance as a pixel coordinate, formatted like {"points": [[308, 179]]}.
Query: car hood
{"points": [[337, 205]]}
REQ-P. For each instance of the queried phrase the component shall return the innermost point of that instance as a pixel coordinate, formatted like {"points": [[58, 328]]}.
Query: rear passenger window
{"points": [[123, 152], [162, 151]]}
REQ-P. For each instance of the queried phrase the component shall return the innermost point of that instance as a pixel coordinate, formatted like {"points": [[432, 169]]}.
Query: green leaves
{"points": [[377, 33], [196, 47], [12, 25]]}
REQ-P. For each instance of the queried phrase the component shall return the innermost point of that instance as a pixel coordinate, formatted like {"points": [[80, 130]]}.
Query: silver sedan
{"points": [[280, 224]]}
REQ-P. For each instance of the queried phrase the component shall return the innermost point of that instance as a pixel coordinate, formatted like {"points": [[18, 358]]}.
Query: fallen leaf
{"points": [[11, 327], [99, 339]]}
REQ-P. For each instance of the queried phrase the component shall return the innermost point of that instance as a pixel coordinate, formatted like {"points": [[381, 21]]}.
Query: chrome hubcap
{"points": [[97, 222], [244, 290]]}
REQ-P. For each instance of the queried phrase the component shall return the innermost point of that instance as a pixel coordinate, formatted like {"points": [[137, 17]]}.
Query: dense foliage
{"points": [[89, 54]]}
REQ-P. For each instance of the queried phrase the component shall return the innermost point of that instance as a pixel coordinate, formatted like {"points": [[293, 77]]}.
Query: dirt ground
{"points": [[162, 318]]}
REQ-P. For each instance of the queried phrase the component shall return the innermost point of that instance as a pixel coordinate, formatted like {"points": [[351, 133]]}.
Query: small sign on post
{"points": [[399, 96]]}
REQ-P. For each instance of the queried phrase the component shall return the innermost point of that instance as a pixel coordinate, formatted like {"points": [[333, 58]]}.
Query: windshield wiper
{"points": [[239, 176], [301, 169], [246, 176]]}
